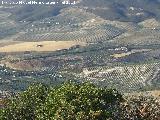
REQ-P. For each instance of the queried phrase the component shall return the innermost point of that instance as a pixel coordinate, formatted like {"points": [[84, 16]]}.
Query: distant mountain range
{"points": [[122, 10]]}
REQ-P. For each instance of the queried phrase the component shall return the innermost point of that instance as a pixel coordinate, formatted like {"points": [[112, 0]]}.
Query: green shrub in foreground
{"points": [[24, 106], [67, 102]]}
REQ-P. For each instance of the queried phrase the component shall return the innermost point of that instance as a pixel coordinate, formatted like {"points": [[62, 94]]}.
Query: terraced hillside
{"points": [[125, 78], [141, 37], [7, 26], [72, 24]]}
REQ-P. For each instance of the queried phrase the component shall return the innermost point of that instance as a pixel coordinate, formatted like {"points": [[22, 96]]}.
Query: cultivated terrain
{"points": [[111, 43]]}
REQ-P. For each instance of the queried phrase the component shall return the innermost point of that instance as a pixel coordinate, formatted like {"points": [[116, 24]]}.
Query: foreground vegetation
{"points": [[73, 101]]}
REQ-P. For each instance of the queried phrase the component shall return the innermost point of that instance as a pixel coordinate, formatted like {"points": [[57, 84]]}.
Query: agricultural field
{"points": [[137, 77], [39, 46]]}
